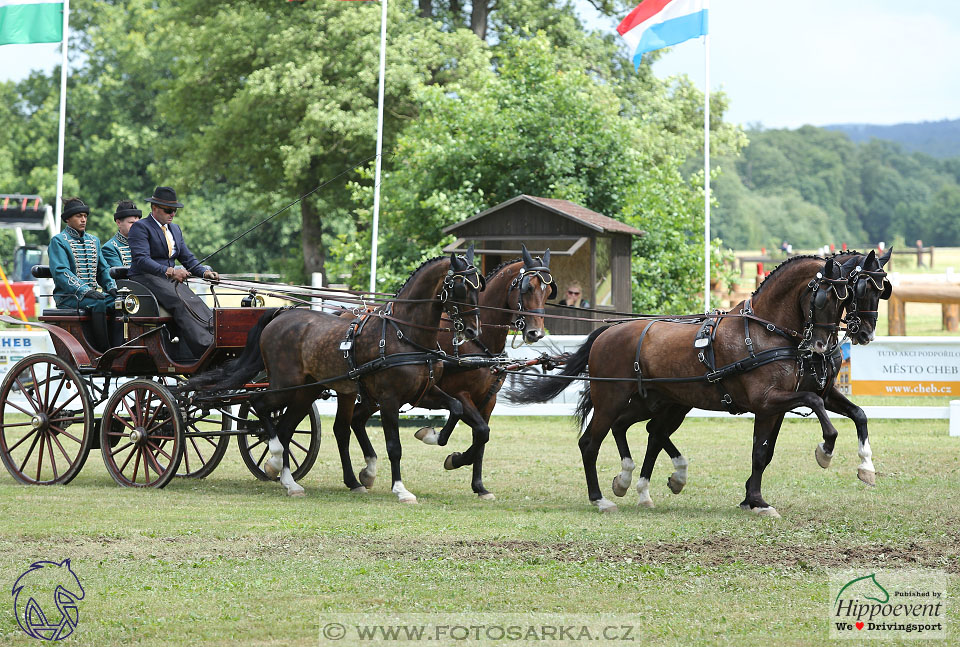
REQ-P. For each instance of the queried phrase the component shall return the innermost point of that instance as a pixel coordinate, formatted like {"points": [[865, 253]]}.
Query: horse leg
{"points": [[273, 465], [658, 437], [621, 482], [765, 432], [837, 402], [678, 479], [473, 454], [358, 422], [589, 445], [341, 431], [296, 412], [390, 421]]}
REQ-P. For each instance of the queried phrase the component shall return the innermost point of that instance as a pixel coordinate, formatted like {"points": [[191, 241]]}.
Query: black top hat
{"points": [[72, 207], [125, 209], [165, 197]]}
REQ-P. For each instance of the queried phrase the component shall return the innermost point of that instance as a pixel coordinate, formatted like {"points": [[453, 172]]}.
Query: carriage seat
{"points": [[43, 272]]}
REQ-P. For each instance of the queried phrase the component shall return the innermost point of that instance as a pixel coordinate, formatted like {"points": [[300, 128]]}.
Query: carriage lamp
{"points": [[131, 304], [121, 298], [252, 300]]}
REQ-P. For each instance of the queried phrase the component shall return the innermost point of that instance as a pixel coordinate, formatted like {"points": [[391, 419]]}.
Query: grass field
{"points": [[232, 561]]}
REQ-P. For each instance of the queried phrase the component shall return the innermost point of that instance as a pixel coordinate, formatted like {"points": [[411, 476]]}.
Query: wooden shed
{"points": [[586, 247]]}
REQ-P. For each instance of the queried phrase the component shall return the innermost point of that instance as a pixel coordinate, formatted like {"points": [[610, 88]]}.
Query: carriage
{"points": [[124, 400]]}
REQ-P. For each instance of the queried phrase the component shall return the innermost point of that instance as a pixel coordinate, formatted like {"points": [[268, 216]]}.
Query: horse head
{"points": [[868, 283], [532, 285], [828, 295], [460, 294]]}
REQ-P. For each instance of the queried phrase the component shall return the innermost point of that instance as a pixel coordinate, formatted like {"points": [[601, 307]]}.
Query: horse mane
{"points": [[500, 267], [781, 265], [429, 261]]}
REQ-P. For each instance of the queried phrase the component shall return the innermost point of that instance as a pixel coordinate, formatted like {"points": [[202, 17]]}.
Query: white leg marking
{"points": [[605, 505], [369, 473], [403, 495], [286, 479], [428, 435], [866, 456], [678, 479], [643, 489], [274, 464], [621, 482]]}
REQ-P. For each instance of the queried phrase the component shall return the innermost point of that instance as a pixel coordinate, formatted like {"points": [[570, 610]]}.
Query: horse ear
{"points": [[886, 257], [527, 258], [546, 258], [871, 259], [830, 270], [470, 255]]}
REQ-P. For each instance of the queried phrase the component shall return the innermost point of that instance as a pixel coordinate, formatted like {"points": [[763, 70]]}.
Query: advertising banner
{"points": [[908, 366], [15, 344], [25, 297]]}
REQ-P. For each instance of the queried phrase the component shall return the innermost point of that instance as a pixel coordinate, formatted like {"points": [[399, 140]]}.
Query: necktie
{"points": [[169, 236]]}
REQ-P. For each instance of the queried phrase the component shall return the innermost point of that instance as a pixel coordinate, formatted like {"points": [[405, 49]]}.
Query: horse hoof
{"points": [[823, 458], [675, 484], [296, 492], [867, 476], [359, 489], [448, 463], [272, 472], [768, 511], [427, 435], [367, 478], [409, 499], [618, 488], [647, 503], [605, 506], [487, 496]]}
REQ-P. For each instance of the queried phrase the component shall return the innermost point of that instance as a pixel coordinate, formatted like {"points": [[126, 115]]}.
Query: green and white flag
{"points": [[31, 21]]}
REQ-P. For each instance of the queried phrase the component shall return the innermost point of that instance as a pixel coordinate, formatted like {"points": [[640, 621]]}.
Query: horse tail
{"points": [[541, 389], [242, 368], [584, 407]]}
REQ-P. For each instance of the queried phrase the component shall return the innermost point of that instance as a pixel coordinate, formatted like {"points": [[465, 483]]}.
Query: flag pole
{"points": [[706, 173], [63, 111], [376, 177]]}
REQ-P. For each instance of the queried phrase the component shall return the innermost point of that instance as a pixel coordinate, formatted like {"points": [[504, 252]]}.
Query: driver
{"points": [[156, 243]]}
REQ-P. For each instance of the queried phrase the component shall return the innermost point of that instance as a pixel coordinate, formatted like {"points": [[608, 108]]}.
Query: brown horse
{"points": [[391, 359], [752, 369], [866, 285], [514, 297]]}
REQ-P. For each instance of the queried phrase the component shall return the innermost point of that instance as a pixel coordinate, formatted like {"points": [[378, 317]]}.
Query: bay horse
{"points": [[866, 285], [388, 357], [751, 369], [514, 297]]}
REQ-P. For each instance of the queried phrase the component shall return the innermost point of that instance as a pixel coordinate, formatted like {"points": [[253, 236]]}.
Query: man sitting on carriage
{"points": [[116, 251], [79, 269], [155, 246]]}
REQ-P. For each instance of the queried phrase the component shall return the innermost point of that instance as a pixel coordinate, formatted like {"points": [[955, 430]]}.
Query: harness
{"points": [[706, 337]]}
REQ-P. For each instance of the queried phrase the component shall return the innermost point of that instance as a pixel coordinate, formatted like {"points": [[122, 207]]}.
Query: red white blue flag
{"points": [[660, 23]]}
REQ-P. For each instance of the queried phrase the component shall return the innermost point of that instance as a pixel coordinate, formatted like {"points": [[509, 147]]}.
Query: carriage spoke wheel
{"points": [[202, 454], [304, 446], [141, 435], [46, 421]]}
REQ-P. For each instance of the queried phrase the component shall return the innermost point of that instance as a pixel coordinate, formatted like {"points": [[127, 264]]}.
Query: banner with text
{"points": [[908, 366]]}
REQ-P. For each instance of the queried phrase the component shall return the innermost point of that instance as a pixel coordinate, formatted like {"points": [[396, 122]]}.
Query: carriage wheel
{"points": [[304, 446], [46, 420], [202, 454], [144, 417]]}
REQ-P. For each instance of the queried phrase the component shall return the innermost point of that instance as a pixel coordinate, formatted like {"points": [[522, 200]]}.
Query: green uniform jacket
{"points": [[77, 266]]}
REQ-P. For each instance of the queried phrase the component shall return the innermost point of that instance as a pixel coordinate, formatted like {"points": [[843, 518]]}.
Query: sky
{"points": [[785, 64]]}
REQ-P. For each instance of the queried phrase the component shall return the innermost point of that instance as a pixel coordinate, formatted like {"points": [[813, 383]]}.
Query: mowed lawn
{"points": [[232, 561]]}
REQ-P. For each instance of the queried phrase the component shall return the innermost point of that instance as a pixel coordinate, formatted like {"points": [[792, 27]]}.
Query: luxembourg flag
{"points": [[660, 23]]}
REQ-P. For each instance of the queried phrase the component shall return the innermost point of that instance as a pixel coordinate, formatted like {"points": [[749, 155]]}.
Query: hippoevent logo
{"points": [[45, 600], [888, 604]]}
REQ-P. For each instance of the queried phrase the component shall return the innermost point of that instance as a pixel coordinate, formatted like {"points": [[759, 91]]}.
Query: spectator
{"points": [[574, 292]]}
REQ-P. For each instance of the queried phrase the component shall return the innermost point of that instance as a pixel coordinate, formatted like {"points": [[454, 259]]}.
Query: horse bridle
{"points": [[868, 277], [522, 284], [459, 281], [818, 300]]}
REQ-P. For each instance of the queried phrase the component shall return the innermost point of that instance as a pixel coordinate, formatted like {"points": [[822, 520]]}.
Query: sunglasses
{"points": [[167, 211], [573, 292]]}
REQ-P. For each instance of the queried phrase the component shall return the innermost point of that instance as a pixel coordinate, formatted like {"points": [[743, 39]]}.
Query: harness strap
{"points": [[636, 362]]}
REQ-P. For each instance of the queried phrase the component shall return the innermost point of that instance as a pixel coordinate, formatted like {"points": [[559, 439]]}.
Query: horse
{"points": [[803, 292], [388, 357], [513, 298]]}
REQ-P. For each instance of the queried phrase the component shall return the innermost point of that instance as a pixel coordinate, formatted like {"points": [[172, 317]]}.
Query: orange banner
{"points": [[915, 387], [25, 298]]}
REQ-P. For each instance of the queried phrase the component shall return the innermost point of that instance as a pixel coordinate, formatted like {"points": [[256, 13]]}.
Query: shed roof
{"points": [[565, 208]]}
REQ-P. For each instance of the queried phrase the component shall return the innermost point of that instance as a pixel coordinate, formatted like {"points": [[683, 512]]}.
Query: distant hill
{"points": [[935, 138]]}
